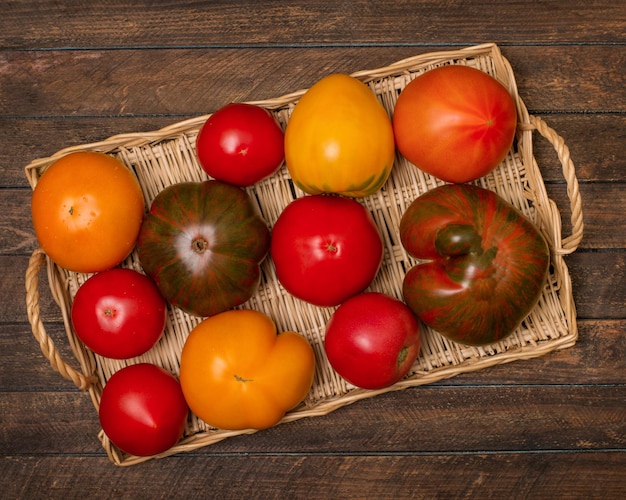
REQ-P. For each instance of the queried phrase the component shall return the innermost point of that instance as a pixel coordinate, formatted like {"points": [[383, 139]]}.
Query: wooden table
{"points": [[551, 427]]}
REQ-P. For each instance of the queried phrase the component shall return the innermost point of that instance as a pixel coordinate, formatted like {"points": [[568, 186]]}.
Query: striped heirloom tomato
{"points": [[202, 244], [486, 263]]}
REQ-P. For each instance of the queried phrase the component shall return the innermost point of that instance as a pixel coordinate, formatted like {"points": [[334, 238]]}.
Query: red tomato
{"points": [[325, 249], [240, 144], [372, 340], [143, 410], [119, 313], [455, 122]]}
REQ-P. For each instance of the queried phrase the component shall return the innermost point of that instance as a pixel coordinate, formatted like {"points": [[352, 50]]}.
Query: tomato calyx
{"points": [[109, 312], [199, 245], [402, 355]]}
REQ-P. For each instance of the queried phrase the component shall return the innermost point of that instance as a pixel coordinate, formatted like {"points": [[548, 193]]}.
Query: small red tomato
{"points": [[372, 340], [325, 249], [119, 313], [455, 122], [143, 410], [240, 144]]}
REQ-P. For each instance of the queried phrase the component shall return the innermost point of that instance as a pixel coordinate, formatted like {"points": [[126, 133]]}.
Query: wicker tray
{"points": [[167, 156]]}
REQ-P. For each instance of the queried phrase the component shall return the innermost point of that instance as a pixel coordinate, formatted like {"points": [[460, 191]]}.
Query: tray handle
{"points": [[570, 243], [35, 263]]}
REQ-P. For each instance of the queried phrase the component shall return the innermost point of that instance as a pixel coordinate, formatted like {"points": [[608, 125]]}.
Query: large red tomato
{"points": [[240, 144], [455, 122], [119, 313], [372, 340], [202, 243], [485, 268], [143, 410], [325, 249]]}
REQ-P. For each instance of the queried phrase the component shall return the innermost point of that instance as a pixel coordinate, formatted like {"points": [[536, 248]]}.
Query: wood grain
{"points": [[533, 417], [305, 22], [352, 476], [198, 81], [549, 427]]}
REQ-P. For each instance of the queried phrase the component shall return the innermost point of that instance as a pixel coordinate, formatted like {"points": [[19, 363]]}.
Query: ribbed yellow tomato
{"points": [[237, 373], [339, 139]]}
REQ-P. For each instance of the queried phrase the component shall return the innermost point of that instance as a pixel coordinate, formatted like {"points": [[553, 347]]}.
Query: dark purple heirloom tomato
{"points": [[202, 244], [486, 263]]}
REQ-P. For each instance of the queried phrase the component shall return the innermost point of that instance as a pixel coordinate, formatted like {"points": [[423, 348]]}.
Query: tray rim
{"points": [[86, 380]]}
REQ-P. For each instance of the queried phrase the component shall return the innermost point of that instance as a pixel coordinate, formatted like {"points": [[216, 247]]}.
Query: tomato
{"points": [[455, 122], [486, 263], [119, 313], [143, 410], [325, 249], [240, 144], [87, 208], [202, 243], [237, 373], [339, 139], [372, 340]]}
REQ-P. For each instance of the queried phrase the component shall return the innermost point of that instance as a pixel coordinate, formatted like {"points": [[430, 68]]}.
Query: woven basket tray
{"points": [[167, 156]]}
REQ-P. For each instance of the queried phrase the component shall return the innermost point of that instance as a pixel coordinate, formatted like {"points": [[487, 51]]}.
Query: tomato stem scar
{"points": [[199, 245]]}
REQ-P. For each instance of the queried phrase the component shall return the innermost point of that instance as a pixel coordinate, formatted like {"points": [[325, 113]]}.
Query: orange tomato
{"points": [[339, 139], [87, 209], [237, 373]]}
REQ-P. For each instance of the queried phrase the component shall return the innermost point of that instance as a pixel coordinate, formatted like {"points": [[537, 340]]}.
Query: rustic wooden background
{"points": [[552, 427]]}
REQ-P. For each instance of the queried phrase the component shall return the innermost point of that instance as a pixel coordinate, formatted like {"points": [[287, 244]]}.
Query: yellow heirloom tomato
{"points": [[237, 373], [339, 139]]}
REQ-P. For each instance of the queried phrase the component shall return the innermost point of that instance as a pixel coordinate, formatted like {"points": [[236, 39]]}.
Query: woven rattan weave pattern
{"points": [[167, 156]]}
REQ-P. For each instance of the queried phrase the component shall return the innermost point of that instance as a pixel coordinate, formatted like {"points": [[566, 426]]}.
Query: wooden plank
{"points": [[600, 350], [26, 139], [341, 22], [435, 419], [598, 284], [418, 476], [591, 140], [25, 367], [197, 81], [603, 206]]}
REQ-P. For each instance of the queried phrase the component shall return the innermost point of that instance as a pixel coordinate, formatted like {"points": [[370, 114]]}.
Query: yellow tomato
{"points": [[237, 373], [87, 209], [339, 139]]}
